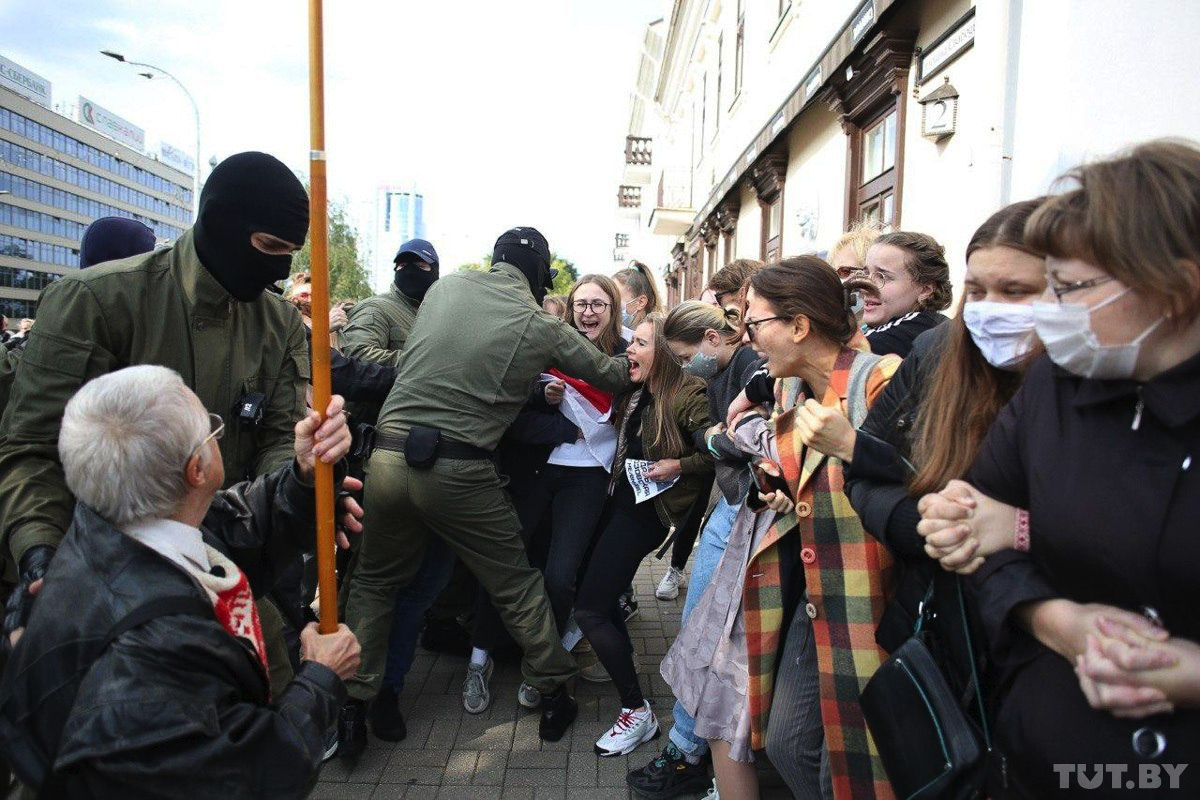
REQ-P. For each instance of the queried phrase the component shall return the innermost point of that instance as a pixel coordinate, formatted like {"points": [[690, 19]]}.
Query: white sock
{"points": [[478, 657]]}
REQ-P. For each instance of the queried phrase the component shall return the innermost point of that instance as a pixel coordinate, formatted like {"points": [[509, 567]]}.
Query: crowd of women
{"points": [[1038, 444]]}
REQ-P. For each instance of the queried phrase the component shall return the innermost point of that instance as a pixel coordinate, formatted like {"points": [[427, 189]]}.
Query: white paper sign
{"points": [[643, 487]]}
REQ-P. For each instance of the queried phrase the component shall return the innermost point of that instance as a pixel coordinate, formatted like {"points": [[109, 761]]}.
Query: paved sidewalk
{"points": [[450, 754]]}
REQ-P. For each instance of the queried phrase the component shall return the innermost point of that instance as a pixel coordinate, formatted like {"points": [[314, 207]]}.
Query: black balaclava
{"points": [[112, 238], [249, 193], [527, 250], [410, 279]]}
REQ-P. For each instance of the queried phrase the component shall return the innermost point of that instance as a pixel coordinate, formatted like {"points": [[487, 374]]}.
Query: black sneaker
{"points": [[669, 775], [386, 721], [446, 636], [352, 728], [559, 710], [629, 606]]}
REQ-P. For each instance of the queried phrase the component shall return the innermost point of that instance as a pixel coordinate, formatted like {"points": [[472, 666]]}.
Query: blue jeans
{"points": [[411, 604], [713, 541]]}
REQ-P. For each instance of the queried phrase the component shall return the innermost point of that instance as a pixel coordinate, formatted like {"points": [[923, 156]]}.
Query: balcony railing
{"points": [[621, 240], [639, 150], [629, 196]]}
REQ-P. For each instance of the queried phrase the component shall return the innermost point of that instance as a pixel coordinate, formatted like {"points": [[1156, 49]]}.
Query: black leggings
{"points": [[629, 534]]}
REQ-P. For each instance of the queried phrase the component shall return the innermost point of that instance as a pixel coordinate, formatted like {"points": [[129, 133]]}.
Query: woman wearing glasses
{"points": [[1092, 616], [656, 422], [756, 684], [907, 283]]}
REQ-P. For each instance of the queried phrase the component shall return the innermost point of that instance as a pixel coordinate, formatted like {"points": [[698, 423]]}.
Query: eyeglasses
{"points": [[750, 323], [846, 273], [1075, 286], [595, 306], [216, 431]]}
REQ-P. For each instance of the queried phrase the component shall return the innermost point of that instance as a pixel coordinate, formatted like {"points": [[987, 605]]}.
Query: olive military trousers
{"points": [[462, 502]]}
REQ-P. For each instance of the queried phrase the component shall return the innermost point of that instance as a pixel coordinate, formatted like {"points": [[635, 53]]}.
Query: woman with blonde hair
{"points": [[706, 341], [657, 422]]}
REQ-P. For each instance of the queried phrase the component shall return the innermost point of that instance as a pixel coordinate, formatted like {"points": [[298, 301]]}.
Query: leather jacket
{"points": [[177, 706]]}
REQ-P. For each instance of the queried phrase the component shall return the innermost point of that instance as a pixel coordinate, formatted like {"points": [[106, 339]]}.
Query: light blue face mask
{"points": [[702, 365], [627, 319]]}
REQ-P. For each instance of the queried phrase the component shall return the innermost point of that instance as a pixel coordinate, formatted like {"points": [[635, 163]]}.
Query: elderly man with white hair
{"points": [[142, 672]]}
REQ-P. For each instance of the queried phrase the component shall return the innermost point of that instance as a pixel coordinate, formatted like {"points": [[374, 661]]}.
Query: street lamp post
{"points": [[195, 112]]}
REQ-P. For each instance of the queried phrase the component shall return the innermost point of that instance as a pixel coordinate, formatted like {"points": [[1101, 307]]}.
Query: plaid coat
{"points": [[849, 578]]}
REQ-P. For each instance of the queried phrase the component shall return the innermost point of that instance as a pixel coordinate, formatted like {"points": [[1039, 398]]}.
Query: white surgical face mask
{"points": [[1003, 332], [1066, 331]]}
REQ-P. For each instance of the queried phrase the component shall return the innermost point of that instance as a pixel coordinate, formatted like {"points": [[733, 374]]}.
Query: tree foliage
{"points": [[348, 277]]}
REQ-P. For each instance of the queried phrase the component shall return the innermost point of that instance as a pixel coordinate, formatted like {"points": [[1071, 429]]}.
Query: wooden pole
{"points": [[319, 233]]}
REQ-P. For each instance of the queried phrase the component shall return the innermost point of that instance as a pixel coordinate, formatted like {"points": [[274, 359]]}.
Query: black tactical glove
{"points": [[20, 603]]}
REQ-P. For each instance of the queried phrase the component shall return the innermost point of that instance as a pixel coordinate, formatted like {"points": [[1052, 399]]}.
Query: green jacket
{"points": [[8, 369], [159, 308], [690, 412], [476, 351], [378, 327]]}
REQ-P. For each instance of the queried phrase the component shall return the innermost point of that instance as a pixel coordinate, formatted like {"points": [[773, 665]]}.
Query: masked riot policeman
{"points": [[478, 345], [198, 307]]}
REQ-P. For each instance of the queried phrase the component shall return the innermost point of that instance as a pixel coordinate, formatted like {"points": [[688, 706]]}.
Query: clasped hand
{"points": [[961, 526]]}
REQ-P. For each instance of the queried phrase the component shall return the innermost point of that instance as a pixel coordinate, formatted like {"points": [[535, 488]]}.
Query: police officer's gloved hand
{"points": [[33, 567]]}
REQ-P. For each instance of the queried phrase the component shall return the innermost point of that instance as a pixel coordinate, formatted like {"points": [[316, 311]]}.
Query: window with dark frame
{"points": [[739, 49], [772, 229], [877, 151], [871, 109]]}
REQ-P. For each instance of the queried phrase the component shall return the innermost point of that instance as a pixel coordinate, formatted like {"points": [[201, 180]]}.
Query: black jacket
{"points": [[898, 335], [876, 478], [1106, 470], [176, 707]]}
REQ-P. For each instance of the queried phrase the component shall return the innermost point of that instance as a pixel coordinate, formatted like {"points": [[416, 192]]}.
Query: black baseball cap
{"points": [[419, 248]]}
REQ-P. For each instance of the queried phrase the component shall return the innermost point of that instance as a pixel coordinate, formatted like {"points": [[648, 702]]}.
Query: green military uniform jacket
{"points": [[8, 369], [475, 352], [378, 327], [160, 308]]}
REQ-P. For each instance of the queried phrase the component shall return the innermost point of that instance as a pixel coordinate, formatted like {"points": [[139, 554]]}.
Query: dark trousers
{"points": [[462, 502], [629, 534], [573, 499]]}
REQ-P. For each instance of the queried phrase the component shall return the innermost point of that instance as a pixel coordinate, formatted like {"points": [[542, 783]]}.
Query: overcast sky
{"points": [[503, 113]]}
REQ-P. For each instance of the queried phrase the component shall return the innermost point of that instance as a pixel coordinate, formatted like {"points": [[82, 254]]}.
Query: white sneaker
{"points": [[528, 696], [476, 697], [668, 587], [632, 727]]}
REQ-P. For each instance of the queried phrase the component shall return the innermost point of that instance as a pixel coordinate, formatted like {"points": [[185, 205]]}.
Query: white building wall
{"points": [[814, 194], [1095, 76]]}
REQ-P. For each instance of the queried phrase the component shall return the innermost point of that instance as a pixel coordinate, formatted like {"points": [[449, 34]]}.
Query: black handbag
{"points": [[930, 746]]}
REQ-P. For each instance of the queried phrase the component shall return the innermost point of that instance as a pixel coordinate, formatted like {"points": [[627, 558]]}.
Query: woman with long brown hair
{"points": [[929, 424], [780, 670], [656, 422], [1089, 595]]}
